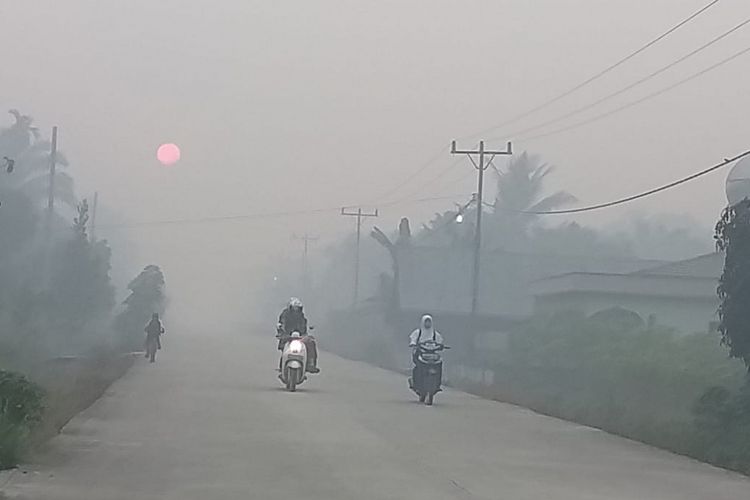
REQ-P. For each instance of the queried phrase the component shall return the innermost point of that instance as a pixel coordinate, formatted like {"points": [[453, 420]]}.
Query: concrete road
{"points": [[209, 421]]}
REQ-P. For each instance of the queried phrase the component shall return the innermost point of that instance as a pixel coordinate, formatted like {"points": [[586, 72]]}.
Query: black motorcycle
{"points": [[428, 371]]}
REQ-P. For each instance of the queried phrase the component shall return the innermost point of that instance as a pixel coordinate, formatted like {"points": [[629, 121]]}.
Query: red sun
{"points": [[168, 154]]}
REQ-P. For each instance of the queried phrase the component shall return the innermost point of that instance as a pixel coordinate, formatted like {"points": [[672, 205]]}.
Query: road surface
{"points": [[209, 421]]}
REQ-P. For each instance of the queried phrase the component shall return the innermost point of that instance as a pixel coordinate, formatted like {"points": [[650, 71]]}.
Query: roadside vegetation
{"points": [[59, 349], [681, 391], [678, 392]]}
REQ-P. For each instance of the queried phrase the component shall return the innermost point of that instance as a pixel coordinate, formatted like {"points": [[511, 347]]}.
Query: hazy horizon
{"points": [[285, 106]]}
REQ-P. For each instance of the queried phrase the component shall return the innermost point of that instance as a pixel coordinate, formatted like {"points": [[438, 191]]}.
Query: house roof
{"points": [[691, 278], [704, 266], [439, 278], [646, 285]]}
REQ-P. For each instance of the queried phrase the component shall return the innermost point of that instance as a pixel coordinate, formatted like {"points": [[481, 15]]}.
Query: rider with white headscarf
{"points": [[425, 333]]}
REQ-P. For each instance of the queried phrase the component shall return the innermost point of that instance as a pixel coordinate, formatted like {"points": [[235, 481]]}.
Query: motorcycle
{"points": [[152, 344], [293, 361], [429, 370]]}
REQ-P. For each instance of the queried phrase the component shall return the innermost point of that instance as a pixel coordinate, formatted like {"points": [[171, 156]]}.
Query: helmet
{"points": [[295, 303]]}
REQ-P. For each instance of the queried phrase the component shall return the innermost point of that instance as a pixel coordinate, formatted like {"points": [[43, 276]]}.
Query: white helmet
{"points": [[294, 302]]}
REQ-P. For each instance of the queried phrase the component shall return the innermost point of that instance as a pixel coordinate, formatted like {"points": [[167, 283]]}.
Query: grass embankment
{"points": [[34, 409], [677, 392]]}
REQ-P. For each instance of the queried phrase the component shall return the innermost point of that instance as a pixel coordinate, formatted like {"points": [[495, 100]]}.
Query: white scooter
{"points": [[293, 361]]}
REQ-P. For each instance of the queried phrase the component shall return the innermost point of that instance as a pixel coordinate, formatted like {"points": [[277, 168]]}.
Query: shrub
{"points": [[21, 409]]}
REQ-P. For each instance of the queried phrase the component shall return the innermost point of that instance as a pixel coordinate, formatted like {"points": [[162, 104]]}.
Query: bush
{"points": [[678, 392], [21, 410], [722, 421], [643, 372]]}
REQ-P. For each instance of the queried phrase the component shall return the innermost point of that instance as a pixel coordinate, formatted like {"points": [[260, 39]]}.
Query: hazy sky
{"points": [[289, 105]]}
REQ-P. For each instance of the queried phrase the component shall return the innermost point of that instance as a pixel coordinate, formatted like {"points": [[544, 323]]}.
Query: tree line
{"points": [[56, 294]]}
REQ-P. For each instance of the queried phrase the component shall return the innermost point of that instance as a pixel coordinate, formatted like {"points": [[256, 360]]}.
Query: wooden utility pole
{"points": [[481, 167], [52, 168], [358, 214], [306, 239]]}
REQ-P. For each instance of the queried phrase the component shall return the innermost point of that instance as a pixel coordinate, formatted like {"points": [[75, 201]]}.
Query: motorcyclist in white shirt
{"points": [[425, 332]]}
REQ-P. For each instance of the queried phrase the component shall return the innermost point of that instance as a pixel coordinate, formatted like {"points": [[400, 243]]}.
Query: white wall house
{"points": [[680, 294]]}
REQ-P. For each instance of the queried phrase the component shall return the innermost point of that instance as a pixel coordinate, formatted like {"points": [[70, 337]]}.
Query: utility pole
{"points": [[306, 239], [358, 214], [52, 167], [481, 167], [92, 223]]}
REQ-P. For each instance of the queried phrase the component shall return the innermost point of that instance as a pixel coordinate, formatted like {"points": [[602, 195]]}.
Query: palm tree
{"points": [[520, 190], [520, 187], [444, 230], [21, 143]]}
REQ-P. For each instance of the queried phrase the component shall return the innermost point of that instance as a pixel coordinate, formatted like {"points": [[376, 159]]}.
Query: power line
{"points": [[430, 182], [586, 82], [258, 215], [634, 197], [599, 74], [634, 84], [638, 101], [412, 176]]}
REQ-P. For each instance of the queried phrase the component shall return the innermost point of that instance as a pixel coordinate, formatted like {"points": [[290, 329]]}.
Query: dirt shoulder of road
{"points": [[73, 384]]}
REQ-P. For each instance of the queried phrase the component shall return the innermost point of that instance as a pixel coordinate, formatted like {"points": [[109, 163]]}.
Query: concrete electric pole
{"points": [[359, 214], [306, 239], [481, 167]]}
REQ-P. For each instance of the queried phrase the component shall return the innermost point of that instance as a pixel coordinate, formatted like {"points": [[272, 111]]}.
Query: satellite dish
{"points": [[738, 182]]}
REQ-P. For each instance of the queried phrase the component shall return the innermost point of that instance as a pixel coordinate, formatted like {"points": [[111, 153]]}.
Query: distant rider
{"points": [[154, 328], [292, 319], [425, 332]]}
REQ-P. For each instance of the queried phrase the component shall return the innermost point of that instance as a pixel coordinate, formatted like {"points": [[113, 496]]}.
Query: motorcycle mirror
{"points": [[311, 327]]}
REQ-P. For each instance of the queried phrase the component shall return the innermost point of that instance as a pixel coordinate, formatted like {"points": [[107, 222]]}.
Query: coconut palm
{"points": [[520, 187], [520, 190], [21, 143]]}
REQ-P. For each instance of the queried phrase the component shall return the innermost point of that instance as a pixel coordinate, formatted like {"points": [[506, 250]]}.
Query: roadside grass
{"points": [[678, 392]]}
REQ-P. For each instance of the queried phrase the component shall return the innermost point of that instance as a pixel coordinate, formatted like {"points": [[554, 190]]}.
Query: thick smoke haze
{"points": [[284, 106]]}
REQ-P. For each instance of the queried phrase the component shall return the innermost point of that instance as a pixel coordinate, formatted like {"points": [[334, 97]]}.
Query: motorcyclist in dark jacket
{"points": [[154, 330], [292, 319]]}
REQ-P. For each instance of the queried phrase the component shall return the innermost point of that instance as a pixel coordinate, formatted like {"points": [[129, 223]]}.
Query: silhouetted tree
{"points": [[733, 238], [146, 297], [81, 284], [520, 188], [22, 144]]}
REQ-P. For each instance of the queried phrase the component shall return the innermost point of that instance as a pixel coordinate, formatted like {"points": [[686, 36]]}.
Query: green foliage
{"points": [[80, 285], [21, 410], [18, 222], [648, 383], [722, 420], [21, 401], [520, 188], [146, 297], [22, 143], [644, 369], [733, 238]]}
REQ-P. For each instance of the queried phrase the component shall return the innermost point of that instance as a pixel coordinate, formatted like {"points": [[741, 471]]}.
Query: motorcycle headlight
{"points": [[295, 346]]}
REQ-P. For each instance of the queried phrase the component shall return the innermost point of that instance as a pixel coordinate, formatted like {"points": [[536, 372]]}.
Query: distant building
{"points": [[679, 294], [438, 279]]}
